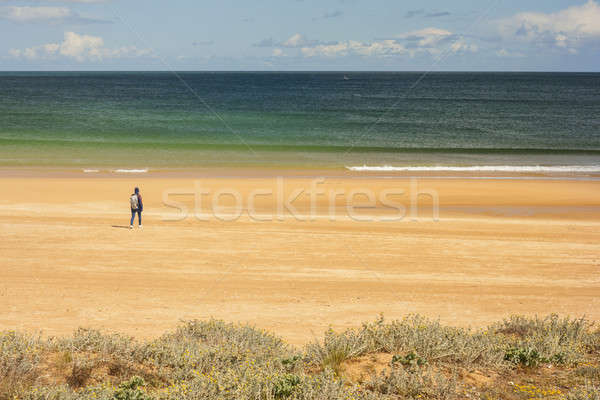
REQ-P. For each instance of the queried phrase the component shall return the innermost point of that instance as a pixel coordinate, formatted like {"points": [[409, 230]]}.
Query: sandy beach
{"points": [[499, 247]]}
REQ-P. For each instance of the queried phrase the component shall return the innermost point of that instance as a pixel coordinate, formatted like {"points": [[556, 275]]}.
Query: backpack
{"points": [[133, 200]]}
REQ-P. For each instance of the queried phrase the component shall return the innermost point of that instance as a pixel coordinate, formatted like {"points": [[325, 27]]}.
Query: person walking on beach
{"points": [[136, 207]]}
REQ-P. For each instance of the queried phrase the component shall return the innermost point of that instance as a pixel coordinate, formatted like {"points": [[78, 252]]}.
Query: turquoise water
{"points": [[312, 119]]}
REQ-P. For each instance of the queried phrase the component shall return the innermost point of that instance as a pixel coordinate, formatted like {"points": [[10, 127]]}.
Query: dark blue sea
{"points": [[384, 120]]}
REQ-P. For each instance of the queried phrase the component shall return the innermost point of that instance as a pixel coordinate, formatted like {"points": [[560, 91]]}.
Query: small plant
{"points": [[285, 386], [130, 390], [530, 357], [336, 349], [525, 357], [289, 363], [409, 360]]}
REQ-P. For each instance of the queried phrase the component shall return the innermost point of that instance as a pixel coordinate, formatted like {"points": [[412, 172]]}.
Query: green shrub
{"points": [[291, 363], [530, 357], [546, 340], [131, 390], [285, 385], [429, 339], [434, 342], [409, 360], [206, 360], [525, 357], [200, 346]]}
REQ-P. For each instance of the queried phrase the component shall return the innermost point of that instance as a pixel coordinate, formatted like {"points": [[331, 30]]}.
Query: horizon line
{"points": [[305, 70]]}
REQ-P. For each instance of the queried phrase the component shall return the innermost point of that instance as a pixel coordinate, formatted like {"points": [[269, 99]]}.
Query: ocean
{"points": [[361, 120]]}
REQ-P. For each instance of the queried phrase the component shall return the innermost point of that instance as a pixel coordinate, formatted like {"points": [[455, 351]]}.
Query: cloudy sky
{"points": [[543, 35]]}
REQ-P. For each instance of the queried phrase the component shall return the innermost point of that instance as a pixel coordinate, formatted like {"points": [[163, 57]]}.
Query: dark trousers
{"points": [[139, 213]]}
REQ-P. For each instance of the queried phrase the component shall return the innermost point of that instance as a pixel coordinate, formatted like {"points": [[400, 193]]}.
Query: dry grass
{"points": [[415, 357], [19, 359]]}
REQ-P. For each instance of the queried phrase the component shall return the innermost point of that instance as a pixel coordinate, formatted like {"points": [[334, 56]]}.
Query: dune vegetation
{"points": [[548, 357]]}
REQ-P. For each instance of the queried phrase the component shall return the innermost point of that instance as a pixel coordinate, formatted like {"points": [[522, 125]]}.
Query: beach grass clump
{"points": [[550, 339], [257, 383], [94, 341], [19, 358], [522, 326], [91, 357], [412, 383], [434, 342], [428, 339], [201, 346], [337, 348], [327, 386], [411, 358]]}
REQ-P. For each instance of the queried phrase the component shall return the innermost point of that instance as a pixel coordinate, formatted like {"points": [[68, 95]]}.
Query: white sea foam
{"points": [[91, 171], [130, 171], [484, 168]]}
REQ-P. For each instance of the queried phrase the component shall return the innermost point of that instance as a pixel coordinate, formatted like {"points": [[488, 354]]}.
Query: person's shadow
{"points": [[120, 226]]}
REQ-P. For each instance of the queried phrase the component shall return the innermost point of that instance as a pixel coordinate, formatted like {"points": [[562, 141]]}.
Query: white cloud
{"points": [[428, 40], [351, 47], [569, 28], [65, 1], [435, 41], [460, 46], [79, 47], [295, 41], [330, 50], [427, 37], [30, 14]]}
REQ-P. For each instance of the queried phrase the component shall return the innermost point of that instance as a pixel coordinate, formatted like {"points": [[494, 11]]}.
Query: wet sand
{"points": [[498, 247]]}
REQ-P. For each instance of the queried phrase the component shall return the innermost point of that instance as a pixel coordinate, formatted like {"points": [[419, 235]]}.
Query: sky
{"points": [[394, 35]]}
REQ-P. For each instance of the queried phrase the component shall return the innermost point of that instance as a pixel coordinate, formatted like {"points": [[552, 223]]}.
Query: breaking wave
{"points": [[484, 168]]}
